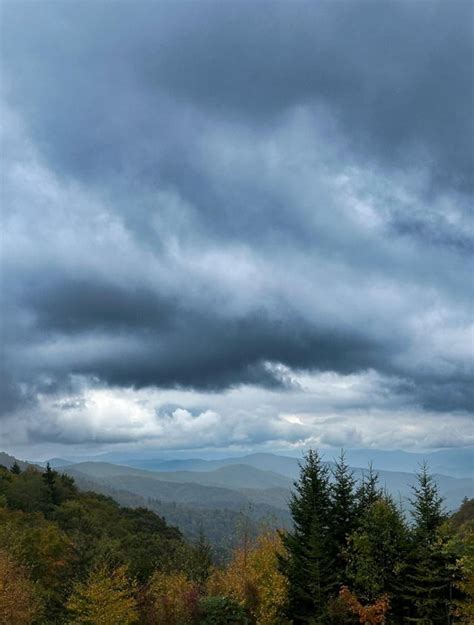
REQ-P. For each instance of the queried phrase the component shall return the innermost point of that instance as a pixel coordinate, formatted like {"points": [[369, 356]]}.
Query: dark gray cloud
{"points": [[97, 82], [195, 193]]}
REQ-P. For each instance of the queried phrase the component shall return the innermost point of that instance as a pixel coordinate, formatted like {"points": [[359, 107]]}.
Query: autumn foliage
{"points": [[19, 599], [173, 599], [105, 598], [373, 614], [253, 579], [72, 558]]}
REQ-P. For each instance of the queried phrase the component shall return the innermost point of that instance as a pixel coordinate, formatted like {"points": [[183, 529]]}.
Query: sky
{"points": [[236, 226]]}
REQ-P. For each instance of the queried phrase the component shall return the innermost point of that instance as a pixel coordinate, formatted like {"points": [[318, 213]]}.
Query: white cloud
{"points": [[323, 410]]}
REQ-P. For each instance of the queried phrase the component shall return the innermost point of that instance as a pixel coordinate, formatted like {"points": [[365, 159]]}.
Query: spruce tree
{"points": [[369, 490], [201, 560], [428, 509], [428, 580], [343, 513], [15, 469], [308, 563], [376, 554], [49, 479]]}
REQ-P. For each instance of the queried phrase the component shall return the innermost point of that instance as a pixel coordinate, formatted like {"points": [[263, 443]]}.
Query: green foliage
{"points": [[81, 558], [461, 547], [308, 563], [221, 611], [376, 553], [464, 517], [45, 550], [428, 511], [15, 468], [343, 513], [60, 534], [201, 561], [369, 490], [429, 564]]}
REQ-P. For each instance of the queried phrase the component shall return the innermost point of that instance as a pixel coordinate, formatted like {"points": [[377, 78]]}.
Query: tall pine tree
{"points": [[376, 554], [343, 513], [369, 490], [15, 468], [428, 580], [308, 563], [52, 494]]}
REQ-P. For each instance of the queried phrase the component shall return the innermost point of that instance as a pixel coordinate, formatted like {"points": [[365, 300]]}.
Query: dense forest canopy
{"points": [[351, 556]]}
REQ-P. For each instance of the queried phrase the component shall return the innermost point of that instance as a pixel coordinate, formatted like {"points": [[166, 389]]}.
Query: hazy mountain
{"points": [[55, 463], [283, 465], [7, 461], [276, 497], [232, 476], [233, 485], [153, 486], [222, 526], [452, 462]]}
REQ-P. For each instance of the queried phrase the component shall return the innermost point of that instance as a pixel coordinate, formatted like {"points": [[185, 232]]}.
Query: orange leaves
{"points": [[373, 614]]}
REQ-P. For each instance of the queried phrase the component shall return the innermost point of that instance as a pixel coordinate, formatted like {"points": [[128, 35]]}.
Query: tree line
{"points": [[353, 555]]}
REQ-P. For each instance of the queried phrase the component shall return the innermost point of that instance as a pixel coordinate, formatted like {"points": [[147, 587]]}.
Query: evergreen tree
{"points": [[202, 560], [308, 564], [428, 510], [343, 513], [376, 554], [15, 469], [49, 479], [369, 490], [428, 578]]}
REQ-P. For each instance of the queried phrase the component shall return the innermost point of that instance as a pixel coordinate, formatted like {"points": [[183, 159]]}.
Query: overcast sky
{"points": [[236, 225]]}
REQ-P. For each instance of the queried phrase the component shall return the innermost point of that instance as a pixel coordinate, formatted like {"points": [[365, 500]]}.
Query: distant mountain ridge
{"points": [[453, 462], [232, 485], [229, 476], [8, 461], [215, 495]]}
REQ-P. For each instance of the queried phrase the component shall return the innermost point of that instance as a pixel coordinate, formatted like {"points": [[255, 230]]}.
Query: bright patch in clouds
{"points": [[323, 410]]}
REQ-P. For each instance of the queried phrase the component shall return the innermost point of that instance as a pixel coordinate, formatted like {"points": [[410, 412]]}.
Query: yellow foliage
{"points": [[19, 603], [106, 598], [465, 565], [253, 579], [174, 599], [31, 539]]}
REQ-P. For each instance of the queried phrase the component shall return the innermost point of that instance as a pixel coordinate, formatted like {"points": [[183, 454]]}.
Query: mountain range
{"points": [[215, 495], [452, 462]]}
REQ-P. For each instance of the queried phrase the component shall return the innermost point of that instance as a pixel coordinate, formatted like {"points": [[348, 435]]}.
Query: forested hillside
{"points": [[221, 526], [351, 555]]}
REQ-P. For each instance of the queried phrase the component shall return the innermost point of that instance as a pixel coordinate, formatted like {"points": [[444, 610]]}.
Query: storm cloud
{"points": [[211, 198]]}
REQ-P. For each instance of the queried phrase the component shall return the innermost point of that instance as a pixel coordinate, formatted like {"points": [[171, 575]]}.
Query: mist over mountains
{"points": [[454, 462]]}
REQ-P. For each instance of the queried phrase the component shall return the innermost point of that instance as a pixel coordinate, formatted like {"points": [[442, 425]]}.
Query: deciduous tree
{"points": [[19, 600], [105, 598]]}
